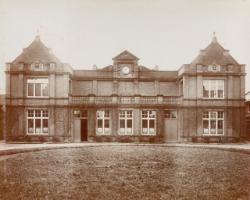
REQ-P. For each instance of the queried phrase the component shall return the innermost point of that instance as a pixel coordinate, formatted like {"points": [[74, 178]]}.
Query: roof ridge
{"points": [[210, 53], [37, 50], [125, 52]]}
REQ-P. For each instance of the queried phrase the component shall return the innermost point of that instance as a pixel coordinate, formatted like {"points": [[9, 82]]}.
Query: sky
{"points": [[165, 33]]}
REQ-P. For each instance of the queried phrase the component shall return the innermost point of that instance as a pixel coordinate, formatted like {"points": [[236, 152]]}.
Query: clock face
{"points": [[125, 70]]}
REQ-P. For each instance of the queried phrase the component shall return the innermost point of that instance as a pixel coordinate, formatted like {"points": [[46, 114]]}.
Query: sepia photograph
{"points": [[124, 99]]}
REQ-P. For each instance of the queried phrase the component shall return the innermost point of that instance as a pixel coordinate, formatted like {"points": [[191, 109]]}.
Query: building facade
{"points": [[47, 100], [247, 115], [2, 112]]}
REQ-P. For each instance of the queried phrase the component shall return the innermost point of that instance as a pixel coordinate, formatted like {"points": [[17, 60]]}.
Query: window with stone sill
{"points": [[213, 122], [37, 87], [213, 89], [125, 122], [148, 122], [103, 122], [37, 122]]}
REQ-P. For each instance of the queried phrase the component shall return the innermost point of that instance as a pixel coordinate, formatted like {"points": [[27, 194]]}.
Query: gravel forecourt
{"points": [[126, 172]]}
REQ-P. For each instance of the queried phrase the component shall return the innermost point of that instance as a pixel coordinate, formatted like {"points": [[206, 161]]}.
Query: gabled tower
{"points": [[213, 84], [37, 85]]}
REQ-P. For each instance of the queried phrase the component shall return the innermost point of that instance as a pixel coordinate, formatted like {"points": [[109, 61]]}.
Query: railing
{"points": [[148, 100], [171, 100], [127, 100], [79, 100], [103, 100]]}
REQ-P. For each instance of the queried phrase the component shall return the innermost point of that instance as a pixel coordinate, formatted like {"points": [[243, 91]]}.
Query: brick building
{"points": [[48, 100]]}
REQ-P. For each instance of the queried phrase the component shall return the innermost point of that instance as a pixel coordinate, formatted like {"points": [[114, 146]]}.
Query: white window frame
{"points": [[44, 115], [104, 115], [213, 116], [125, 117], [44, 81], [173, 114], [148, 118], [216, 83]]}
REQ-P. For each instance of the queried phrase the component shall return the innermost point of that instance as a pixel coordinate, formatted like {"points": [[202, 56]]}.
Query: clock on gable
{"points": [[125, 65], [125, 70]]}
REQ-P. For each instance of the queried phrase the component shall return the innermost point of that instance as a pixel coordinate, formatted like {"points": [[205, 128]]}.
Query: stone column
{"points": [[229, 88], [66, 85], [91, 123], [115, 87], [114, 122], [8, 81], [160, 122], [94, 87], [199, 87], [20, 91], [185, 87], [242, 87], [199, 122], [228, 122], [21, 118], [136, 87], [156, 88], [52, 88], [137, 122], [7, 87], [52, 121]]}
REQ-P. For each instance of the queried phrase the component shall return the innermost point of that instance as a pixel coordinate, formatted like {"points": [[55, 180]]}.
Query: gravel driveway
{"points": [[126, 172]]}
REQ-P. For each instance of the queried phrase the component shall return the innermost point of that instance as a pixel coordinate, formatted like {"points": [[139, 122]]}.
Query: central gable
{"points": [[125, 57]]}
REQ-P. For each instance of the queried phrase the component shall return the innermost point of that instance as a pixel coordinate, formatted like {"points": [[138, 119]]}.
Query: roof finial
{"points": [[214, 37], [38, 35]]}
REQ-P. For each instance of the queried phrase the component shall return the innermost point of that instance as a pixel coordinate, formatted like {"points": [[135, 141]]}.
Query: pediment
{"points": [[126, 55]]}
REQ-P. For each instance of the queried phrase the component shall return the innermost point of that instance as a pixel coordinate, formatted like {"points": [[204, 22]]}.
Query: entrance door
{"points": [[171, 131], [170, 125], [84, 129]]}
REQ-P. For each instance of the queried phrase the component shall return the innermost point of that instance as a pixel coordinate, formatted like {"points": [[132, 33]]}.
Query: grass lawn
{"points": [[126, 172]]}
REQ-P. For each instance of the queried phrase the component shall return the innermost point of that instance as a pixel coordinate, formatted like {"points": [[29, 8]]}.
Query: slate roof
{"points": [[37, 51], [214, 53], [145, 74]]}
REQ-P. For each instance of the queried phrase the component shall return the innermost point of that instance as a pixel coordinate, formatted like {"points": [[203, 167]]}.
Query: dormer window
{"points": [[37, 66], [214, 68]]}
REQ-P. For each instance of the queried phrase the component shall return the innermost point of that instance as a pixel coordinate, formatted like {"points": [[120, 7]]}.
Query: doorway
{"points": [[170, 125], [84, 130], [80, 125]]}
